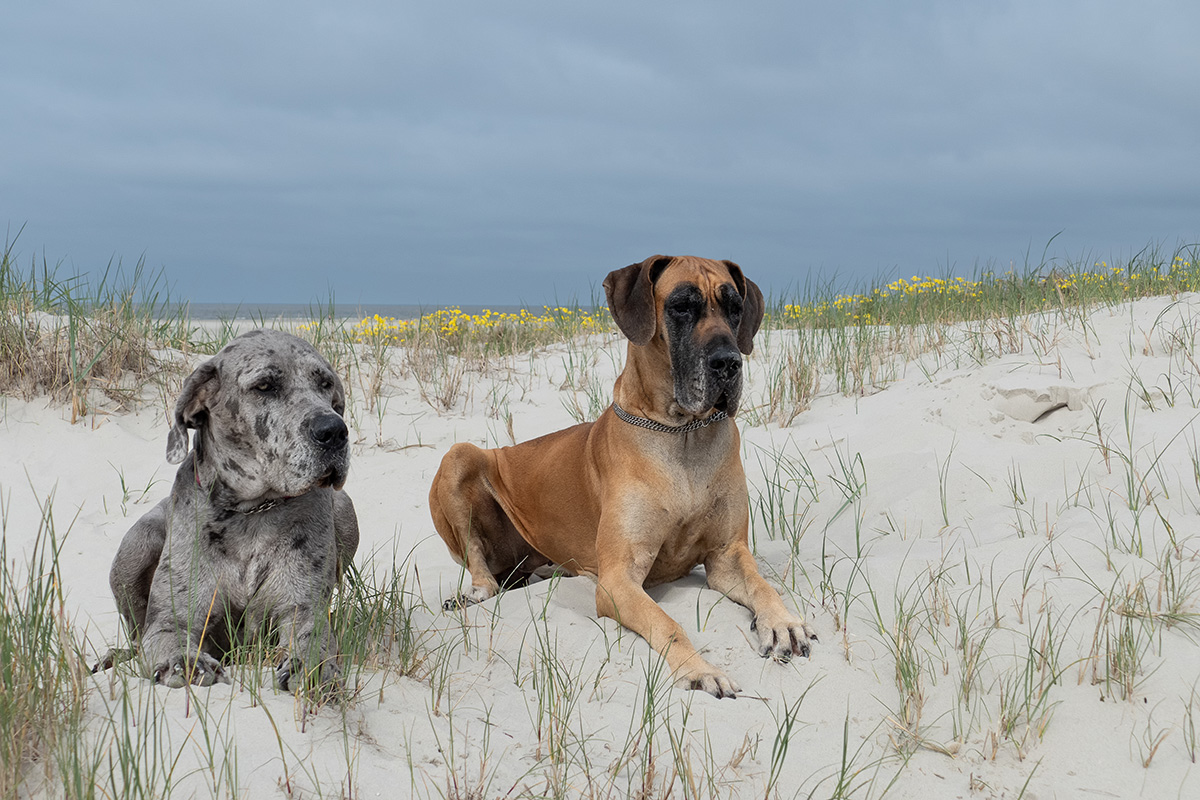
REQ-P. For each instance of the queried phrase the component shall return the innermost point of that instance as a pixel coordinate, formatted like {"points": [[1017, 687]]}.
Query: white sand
{"points": [[1041, 561]]}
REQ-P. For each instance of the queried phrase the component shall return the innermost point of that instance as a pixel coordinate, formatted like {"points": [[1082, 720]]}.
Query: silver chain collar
{"points": [[651, 425], [258, 509], [267, 506]]}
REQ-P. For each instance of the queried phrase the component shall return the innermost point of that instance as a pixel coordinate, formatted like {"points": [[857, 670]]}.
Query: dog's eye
{"points": [[683, 309], [266, 386], [731, 307]]}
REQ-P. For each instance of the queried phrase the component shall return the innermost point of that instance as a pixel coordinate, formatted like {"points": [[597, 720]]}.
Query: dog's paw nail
{"points": [[283, 676], [476, 594], [717, 685]]}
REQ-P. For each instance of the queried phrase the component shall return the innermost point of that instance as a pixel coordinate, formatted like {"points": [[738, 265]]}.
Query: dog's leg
{"points": [[619, 595], [182, 613], [733, 572], [312, 651], [345, 530], [296, 599], [455, 499], [134, 566], [478, 533]]}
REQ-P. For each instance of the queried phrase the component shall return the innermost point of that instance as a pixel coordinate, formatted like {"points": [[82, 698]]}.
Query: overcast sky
{"points": [[506, 152]]}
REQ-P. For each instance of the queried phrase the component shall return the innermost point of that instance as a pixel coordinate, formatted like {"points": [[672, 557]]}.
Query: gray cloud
{"points": [[495, 153]]}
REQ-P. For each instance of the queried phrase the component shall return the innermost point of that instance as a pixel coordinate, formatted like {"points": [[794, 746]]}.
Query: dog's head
{"points": [[702, 313], [267, 410]]}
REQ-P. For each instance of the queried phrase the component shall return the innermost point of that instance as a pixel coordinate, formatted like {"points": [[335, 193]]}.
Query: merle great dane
{"points": [[256, 531]]}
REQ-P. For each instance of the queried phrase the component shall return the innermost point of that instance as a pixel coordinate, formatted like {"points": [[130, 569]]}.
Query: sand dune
{"points": [[998, 552]]}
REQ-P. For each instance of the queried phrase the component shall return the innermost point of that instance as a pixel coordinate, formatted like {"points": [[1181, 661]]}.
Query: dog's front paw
{"points": [[476, 594], [292, 675], [783, 639], [711, 680], [179, 671]]}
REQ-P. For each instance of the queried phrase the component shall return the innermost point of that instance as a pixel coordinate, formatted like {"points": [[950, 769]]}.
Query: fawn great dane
{"points": [[651, 489]]}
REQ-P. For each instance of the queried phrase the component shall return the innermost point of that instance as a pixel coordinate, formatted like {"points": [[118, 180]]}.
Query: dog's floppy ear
{"points": [[630, 293], [753, 307], [191, 409]]}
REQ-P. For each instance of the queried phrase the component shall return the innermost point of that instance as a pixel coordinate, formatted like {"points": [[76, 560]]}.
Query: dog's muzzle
{"points": [[724, 364], [328, 433]]}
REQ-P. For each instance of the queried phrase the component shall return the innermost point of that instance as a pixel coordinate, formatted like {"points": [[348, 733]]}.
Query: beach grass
{"points": [[42, 689], [1049, 285]]}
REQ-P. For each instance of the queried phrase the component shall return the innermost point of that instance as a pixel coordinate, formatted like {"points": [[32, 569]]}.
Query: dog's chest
{"points": [[706, 523], [693, 460], [260, 560], [703, 493]]}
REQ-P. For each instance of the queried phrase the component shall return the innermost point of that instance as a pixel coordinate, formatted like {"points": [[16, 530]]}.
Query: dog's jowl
{"points": [[651, 489], [256, 530]]}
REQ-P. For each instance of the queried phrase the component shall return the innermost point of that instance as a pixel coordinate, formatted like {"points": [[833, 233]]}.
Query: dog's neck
{"points": [[223, 496], [658, 427], [642, 391]]}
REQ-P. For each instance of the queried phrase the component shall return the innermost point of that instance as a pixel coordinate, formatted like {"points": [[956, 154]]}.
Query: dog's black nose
{"points": [[328, 431], [725, 361]]}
